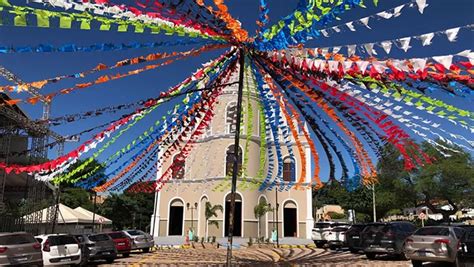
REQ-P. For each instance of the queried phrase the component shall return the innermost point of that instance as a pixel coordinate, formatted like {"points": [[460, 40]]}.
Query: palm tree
{"points": [[211, 211], [259, 210]]}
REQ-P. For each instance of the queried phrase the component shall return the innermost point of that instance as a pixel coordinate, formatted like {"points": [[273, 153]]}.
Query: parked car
{"points": [[140, 240], [353, 239], [59, 249], [321, 231], [466, 251], [386, 238], [123, 243], [99, 247], [434, 244], [337, 237], [19, 248]]}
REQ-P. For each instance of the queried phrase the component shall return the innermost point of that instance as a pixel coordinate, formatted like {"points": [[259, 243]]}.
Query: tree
{"points": [[259, 211], [76, 197], [449, 179], [211, 211]]}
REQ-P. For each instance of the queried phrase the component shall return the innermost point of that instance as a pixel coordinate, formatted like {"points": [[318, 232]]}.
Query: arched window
{"points": [[178, 169], [229, 160], [289, 169], [231, 116]]}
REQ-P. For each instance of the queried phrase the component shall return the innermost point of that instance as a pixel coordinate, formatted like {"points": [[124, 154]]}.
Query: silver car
{"points": [[140, 240], [434, 244], [20, 248]]}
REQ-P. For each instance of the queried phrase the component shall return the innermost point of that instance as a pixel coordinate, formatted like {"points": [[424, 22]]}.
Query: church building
{"points": [[181, 204]]}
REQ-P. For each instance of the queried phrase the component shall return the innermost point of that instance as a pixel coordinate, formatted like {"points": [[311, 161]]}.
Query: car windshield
{"points": [[374, 228], [117, 235], [61, 240], [134, 232], [438, 231], [99, 237], [339, 229], [322, 225], [17, 239]]}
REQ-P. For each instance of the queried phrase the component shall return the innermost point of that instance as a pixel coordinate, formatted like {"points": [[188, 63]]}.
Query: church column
{"points": [[309, 195], [155, 217]]}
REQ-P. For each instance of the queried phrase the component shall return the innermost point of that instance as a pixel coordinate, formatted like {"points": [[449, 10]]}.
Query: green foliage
{"points": [[128, 210], [336, 216], [261, 209], [448, 180], [211, 211], [76, 197]]}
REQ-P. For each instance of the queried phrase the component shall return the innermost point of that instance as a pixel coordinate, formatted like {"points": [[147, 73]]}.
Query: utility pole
{"points": [[235, 166], [373, 203], [276, 207], [93, 212]]}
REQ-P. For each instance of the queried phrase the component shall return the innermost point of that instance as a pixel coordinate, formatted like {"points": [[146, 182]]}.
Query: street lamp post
{"points": [[276, 211], [192, 208]]}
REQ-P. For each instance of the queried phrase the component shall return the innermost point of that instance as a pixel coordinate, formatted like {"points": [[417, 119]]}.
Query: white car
{"points": [[322, 231], [59, 249], [337, 236]]}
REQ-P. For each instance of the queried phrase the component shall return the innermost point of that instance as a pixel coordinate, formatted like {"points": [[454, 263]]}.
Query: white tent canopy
{"points": [[98, 218], [66, 215]]}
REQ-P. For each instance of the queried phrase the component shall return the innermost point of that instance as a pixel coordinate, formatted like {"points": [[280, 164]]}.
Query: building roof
{"points": [[68, 215]]}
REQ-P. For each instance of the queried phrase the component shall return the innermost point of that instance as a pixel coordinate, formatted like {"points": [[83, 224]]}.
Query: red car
{"points": [[123, 244]]}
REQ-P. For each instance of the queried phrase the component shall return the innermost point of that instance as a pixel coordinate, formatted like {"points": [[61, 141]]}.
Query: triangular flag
{"points": [[350, 26], [421, 5], [387, 46], [346, 65], [446, 61], [336, 29], [333, 65], [418, 64], [405, 43], [452, 34], [380, 66], [397, 11], [351, 50], [369, 48], [325, 33], [362, 65], [385, 14], [336, 49], [365, 21], [426, 38]]}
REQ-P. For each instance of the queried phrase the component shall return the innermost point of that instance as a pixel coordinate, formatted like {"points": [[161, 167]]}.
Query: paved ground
{"points": [[258, 257]]}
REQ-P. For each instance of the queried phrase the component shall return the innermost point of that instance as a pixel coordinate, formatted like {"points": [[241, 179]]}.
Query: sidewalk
{"points": [[238, 242]]}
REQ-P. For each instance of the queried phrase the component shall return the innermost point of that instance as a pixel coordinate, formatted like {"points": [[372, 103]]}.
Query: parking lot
{"points": [[259, 257]]}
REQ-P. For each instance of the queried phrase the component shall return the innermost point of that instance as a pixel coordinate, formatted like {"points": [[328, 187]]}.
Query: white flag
{"points": [[346, 65], [365, 21], [336, 29], [325, 33], [351, 49], [419, 64], [350, 26], [426, 38], [362, 65], [405, 43], [385, 14], [397, 11], [387, 46], [464, 53], [369, 48], [452, 34], [336, 49], [421, 5], [333, 65], [446, 61], [380, 66]]}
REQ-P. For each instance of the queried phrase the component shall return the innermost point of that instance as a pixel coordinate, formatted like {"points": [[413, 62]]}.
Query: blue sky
{"points": [[36, 66]]}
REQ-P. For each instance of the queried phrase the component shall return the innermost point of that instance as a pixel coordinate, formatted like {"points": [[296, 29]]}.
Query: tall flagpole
{"points": [[235, 167]]}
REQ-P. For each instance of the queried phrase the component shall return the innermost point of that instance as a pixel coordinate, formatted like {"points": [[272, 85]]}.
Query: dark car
{"points": [[466, 250], [386, 238], [123, 243], [99, 247], [353, 239]]}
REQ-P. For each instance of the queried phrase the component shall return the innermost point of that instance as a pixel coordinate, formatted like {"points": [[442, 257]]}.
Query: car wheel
{"points": [[126, 255], [318, 245], [146, 250], [109, 261], [417, 263], [370, 255], [332, 247]]}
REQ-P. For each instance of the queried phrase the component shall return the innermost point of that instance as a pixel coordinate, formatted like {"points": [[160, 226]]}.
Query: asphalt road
{"points": [[259, 257]]}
